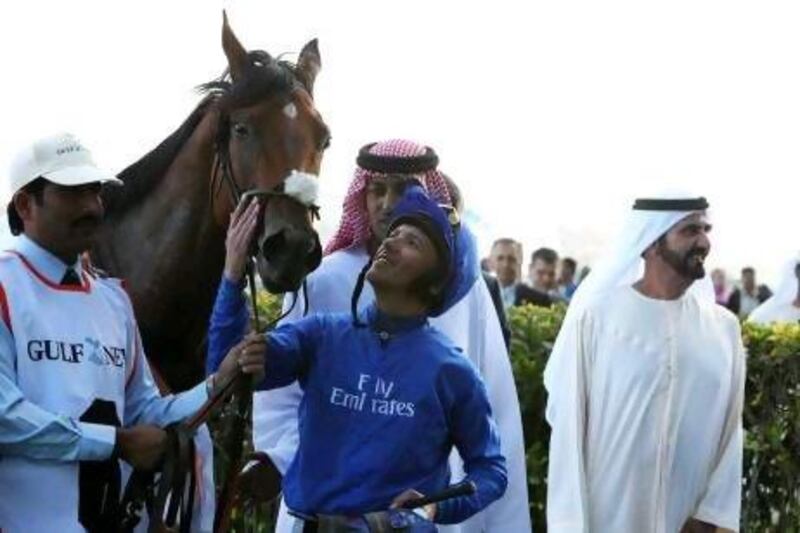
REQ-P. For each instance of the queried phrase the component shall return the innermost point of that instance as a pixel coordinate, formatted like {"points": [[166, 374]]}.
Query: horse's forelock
{"points": [[264, 76]]}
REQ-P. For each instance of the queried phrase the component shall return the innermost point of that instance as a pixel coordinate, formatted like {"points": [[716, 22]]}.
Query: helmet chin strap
{"points": [[357, 294]]}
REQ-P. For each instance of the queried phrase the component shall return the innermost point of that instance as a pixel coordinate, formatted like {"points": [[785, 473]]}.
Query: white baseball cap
{"points": [[59, 158]]}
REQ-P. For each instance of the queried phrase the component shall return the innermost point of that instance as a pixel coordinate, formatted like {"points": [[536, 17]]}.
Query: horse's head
{"points": [[268, 128]]}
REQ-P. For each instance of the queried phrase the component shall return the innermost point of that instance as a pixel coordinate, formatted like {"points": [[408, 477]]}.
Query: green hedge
{"points": [[533, 330], [771, 497], [771, 485]]}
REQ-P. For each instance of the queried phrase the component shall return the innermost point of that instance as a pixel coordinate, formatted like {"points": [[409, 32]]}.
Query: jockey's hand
{"points": [[411, 494], [141, 446], [247, 357], [244, 221]]}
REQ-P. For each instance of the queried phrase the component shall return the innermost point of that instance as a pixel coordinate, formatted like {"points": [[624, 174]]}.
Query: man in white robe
{"points": [[784, 305], [471, 324], [646, 384]]}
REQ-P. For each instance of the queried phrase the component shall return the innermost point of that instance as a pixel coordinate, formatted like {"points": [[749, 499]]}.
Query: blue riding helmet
{"points": [[458, 262], [455, 245]]}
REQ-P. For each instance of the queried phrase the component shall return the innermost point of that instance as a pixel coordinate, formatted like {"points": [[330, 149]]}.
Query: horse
{"points": [[164, 231]]}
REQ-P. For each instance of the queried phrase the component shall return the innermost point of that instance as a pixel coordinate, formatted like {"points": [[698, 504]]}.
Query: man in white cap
{"points": [[646, 384], [76, 392], [383, 170], [784, 305]]}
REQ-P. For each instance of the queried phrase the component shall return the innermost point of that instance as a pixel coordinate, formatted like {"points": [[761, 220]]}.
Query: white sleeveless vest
{"points": [[73, 358]]}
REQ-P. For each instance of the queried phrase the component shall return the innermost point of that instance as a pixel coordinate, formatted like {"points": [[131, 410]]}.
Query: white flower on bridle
{"points": [[303, 187]]}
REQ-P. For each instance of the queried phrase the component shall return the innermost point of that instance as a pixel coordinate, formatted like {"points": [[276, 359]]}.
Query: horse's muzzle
{"points": [[286, 257]]}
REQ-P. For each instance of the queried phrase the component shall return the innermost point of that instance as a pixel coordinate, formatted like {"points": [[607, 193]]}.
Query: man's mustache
{"points": [[87, 220], [702, 252]]}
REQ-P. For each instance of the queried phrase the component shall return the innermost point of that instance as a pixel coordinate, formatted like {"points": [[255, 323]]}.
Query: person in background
{"points": [[722, 291], [542, 272], [566, 278], [784, 305], [749, 295], [505, 263]]}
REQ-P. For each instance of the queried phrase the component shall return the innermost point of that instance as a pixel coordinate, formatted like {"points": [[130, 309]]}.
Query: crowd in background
{"points": [[551, 279], [740, 297]]}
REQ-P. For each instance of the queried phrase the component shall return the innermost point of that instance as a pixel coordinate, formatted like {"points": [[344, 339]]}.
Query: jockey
{"points": [[387, 395], [383, 170]]}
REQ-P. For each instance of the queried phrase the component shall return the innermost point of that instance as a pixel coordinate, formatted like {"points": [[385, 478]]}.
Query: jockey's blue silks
{"points": [[384, 404]]}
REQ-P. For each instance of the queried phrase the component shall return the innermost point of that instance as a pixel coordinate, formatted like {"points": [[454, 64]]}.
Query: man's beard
{"points": [[683, 264]]}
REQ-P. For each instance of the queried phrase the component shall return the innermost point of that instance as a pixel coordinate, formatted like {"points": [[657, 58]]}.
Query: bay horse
{"points": [[164, 231]]}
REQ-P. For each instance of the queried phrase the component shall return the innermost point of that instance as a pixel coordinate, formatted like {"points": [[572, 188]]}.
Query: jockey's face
{"points": [[383, 192], [405, 256], [65, 221]]}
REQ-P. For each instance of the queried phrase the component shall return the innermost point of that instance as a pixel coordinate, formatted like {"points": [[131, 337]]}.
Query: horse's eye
{"points": [[326, 143], [240, 130]]}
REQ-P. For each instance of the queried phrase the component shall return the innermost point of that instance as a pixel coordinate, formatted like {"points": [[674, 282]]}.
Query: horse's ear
{"points": [[234, 51], [308, 64]]}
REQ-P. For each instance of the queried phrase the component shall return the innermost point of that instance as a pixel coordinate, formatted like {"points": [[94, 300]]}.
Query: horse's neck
{"points": [[169, 246]]}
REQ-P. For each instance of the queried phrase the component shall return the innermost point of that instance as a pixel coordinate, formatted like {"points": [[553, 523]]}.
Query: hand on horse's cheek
{"points": [[238, 241]]}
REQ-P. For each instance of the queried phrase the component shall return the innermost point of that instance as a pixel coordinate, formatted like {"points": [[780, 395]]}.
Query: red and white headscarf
{"points": [[354, 227]]}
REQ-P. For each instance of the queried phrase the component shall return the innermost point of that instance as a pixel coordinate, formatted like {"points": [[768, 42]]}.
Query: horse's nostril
{"points": [[273, 244]]}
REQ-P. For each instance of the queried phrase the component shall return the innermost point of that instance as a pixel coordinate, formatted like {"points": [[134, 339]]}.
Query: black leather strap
{"points": [[397, 165], [663, 204]]}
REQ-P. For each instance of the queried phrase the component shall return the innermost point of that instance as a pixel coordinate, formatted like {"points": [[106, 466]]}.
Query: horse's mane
{"points": [[142, 176], [262, 77]]}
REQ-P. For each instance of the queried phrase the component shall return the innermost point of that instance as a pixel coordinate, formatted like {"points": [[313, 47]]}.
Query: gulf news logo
{"points": [[91, 350]]}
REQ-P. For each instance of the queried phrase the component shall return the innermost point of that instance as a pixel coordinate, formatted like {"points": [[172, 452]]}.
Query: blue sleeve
{"points": [[290, 352], [478, 442], [228, 323], [30, 431]]}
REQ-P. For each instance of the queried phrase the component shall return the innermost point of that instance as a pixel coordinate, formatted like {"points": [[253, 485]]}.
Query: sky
{"points": [[551, 116]]}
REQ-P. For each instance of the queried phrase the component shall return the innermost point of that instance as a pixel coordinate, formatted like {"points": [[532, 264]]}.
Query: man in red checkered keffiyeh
{"points": [[396, 156]]}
